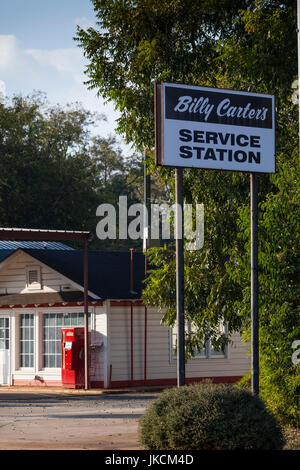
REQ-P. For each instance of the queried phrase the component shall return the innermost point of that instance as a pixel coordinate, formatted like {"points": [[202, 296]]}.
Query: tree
{"points": [[279, 279], [138, 42], [107, 158], [53, 174], [244, 45], [46, 179]]}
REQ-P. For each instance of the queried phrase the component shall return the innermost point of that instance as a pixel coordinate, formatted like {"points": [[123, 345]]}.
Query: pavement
{"points": [[80, 391], [45, 418]]}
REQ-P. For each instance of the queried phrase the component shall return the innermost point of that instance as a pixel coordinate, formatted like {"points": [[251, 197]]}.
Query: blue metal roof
{"points": [[109, 271], [4, 254], [15, 245]]}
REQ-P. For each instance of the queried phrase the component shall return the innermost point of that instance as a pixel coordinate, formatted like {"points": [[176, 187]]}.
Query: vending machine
{"points": [[72, 357]]}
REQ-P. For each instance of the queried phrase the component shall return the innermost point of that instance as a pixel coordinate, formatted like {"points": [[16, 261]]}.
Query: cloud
{"points": [[2, 91], [62, 60], [58, 72], [36, 66], [84, 22], [8, 48]]}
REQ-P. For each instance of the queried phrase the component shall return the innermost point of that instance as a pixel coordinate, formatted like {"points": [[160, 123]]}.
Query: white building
{"points": [[41, 290]]}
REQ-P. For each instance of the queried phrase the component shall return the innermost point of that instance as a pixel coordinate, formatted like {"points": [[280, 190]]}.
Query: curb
{"points": [[79, 392]]}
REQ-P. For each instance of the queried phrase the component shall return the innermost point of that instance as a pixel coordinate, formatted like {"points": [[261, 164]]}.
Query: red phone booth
{"points": [[72, 357]]}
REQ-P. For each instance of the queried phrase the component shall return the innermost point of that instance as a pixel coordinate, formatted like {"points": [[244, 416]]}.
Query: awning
{"points": [[45, 299]]}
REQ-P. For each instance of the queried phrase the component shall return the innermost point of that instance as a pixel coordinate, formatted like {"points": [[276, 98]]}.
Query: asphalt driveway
{"points": [[49, 420]]}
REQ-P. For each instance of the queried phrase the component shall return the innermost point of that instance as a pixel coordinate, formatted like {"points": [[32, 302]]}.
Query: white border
{"points": [[168, 138]]}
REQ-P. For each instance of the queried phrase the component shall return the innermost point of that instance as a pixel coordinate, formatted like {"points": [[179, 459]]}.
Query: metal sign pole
{"points": [[147, 204], [180, 277], [254, 285], [86, 315]]}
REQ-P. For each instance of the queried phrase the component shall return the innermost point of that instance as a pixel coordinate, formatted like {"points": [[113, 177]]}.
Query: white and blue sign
{"points": [[216, 129]]}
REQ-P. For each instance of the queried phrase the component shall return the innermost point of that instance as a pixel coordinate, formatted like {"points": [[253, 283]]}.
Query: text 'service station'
{"points": [[218, 126]]}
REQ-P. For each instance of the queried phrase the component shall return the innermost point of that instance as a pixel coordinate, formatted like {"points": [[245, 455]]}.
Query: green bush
{"points": [[209, 417], [280, 392]]}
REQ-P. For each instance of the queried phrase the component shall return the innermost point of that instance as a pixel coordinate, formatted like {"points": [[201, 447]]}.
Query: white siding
{"points": [[97, 350], [13, 275], [112, 327], [159, 363]]}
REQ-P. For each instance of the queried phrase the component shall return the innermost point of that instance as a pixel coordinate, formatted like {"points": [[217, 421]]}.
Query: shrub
{"points": [[209, 417], [281, 392]]}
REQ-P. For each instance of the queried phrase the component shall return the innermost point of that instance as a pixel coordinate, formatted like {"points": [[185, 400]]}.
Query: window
{"points": [[4, 333], [26, 340], [33, 274], [33, 277], [214, 352], [52, 324], [206, 352]]}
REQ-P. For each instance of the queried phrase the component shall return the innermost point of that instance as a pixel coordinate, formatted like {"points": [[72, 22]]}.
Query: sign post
{"points": [[210, 128], [254, 285], [180, 277]]}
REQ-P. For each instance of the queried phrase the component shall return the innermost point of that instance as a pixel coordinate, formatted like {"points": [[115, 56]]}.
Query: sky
{"points": [[37, 52]]}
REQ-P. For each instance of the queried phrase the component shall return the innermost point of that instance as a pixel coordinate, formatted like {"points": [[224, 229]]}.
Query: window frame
{"points": [[31, 339], [42, 339], [6, 329], [207, 352]]}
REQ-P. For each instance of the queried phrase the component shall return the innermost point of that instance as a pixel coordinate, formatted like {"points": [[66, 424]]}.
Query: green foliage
{"points": [[138, 42], [279, 280], [209, 292], [252, 57], [209, 417], [54, 175], [46, 180]]}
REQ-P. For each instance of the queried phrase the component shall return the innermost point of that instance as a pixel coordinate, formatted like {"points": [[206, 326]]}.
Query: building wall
{"points": [[161, 366], [13, 280], [38, 374], [13, 275], [98, 348], [110, 353]]}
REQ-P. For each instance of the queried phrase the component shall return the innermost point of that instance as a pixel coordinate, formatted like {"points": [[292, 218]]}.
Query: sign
{"points": [[211, 128]]}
